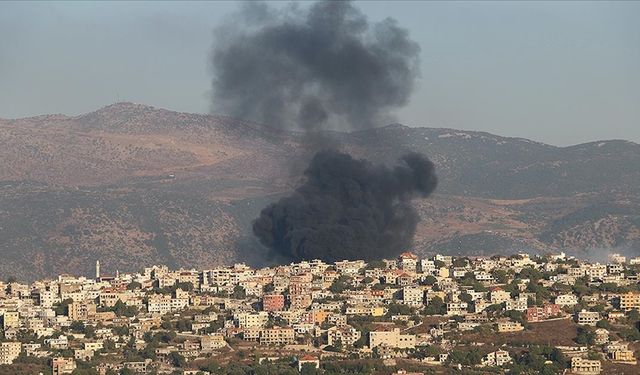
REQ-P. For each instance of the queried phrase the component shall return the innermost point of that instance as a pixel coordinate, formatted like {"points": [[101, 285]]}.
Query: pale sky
{"points": [[560, 73]]}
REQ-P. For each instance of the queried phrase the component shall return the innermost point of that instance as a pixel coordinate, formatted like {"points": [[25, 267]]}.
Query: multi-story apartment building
{"points": [[497, 358], [365, 310], [583, 366], [272, 302], [251, 320], [615, 268], [536, 314], [43, 297], [349, 267], [300, 301], [83, 310], [10, 319], [509, 327], [457, 308], [345, 335], [630, 301], [392, 339], [566, 300], [428, 266], [413, 296], [159, 304], [62, 365], [497, 295], [518, 304], [589, 318], [212, 342], [596, 271], [408, 262], [277, 336], [9, 351]]}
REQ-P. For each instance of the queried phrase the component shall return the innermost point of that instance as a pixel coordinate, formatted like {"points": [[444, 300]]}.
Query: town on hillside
{"points": [[517, 314]]}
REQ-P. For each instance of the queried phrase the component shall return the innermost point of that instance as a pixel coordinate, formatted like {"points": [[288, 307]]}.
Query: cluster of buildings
{"points": [[310, 308]]}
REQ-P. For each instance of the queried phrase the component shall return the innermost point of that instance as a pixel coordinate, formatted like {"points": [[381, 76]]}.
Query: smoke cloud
{"points": [[348, 209], [325, 67]]}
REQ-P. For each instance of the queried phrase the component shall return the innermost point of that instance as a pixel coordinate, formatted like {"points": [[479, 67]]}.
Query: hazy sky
{"points": [[561, 73]]}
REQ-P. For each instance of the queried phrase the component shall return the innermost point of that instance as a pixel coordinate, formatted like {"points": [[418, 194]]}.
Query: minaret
{"points": [[97, 270]]}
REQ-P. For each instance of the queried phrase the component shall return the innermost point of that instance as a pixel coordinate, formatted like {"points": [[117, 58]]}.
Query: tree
{"points": [[398, 309], [465, 357], [134, 285], [63, 307], [541, 292], [500, 276], [77, 326], [436, 306], [308, 369], [183, 325], [430, 280], [238, 292], [363, 340], [109, 346], [186, 286], [630, 334], [90, 332], [465, 297], [120, 330], [514, 315], [559, 358], [585, 336], [177, 359], [121, 309], [269, 288], [531, 273], [149, 351], [376, 264], [339, 285], [633, 315], [593, 356], [460, 262], [561, 288], [494, 308]]}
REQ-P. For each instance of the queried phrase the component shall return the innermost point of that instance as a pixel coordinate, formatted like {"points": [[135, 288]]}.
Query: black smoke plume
{"points": [[325, 67], [348, 209]]}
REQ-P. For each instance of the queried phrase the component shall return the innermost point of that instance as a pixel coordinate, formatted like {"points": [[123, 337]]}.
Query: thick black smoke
{"points": [[348, 209], [324, 67]]}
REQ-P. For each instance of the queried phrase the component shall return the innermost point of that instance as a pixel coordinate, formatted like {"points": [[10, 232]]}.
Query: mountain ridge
{"points": [[131, 185], [132, 105]]}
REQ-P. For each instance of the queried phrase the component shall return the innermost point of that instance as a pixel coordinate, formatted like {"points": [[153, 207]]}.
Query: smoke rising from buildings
{"points": [[325, 67], [348, 209]]}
